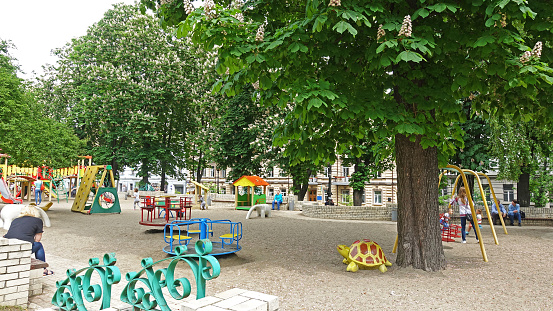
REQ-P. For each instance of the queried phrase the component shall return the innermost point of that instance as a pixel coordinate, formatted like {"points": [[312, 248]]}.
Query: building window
{"points": [[377, 197], [508, 193], [223, 173], [345, 196], [325, 195], [223, 190], [213, 172], [364, 197], [378, 174], [345, 171], [325, 172], [283, 192], [271, 192], [270, 172]]}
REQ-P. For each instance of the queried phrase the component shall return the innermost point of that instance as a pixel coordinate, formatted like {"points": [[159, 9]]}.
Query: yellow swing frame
{"points": [[471, 203]]}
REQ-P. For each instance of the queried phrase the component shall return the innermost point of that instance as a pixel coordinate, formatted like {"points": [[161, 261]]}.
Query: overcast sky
{"points": [[38, 26]]}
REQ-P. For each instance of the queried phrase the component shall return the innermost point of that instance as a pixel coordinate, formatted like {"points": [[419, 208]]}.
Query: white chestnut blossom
{"points": [[335, 3], [237, 4], [209, 8], [188, 7], [525, 57], [536, 51], [406, 28], [260, 33], [380, 33]]}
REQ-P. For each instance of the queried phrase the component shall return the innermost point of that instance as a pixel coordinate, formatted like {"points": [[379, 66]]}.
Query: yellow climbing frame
{"points": [[484, 200], [471, 203]]}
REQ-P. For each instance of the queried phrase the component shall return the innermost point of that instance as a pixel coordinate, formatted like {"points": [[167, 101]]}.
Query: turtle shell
{"points": [[366, 252]]}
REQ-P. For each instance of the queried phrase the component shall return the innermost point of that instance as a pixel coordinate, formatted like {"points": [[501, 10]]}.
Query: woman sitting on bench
{"points": [[28, 227]]}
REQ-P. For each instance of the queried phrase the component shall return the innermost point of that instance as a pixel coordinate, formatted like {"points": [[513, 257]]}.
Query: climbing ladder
{"points": [[105, 200]]}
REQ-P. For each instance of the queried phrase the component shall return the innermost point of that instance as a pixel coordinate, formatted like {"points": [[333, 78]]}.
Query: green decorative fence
{"points": [[144, 288]]}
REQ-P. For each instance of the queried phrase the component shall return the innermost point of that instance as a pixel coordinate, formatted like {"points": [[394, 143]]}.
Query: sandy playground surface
{"points": [[295, 258]]}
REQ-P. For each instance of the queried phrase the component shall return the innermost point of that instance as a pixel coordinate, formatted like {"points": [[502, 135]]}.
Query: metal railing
{"points": [[144, 288]]}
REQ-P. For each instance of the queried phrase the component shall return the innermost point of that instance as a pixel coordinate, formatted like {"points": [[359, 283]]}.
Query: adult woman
{"points": [[28, 227], [464, 211]]}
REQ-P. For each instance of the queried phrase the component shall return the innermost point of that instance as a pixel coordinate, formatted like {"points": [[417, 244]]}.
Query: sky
{"points": [[38, 26]]}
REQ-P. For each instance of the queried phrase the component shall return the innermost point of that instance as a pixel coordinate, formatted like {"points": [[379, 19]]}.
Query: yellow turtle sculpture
{"points": [[364, 254]]}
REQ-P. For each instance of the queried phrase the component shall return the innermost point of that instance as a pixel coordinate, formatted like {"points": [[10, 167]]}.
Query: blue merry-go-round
{"points": [[181, 232]]}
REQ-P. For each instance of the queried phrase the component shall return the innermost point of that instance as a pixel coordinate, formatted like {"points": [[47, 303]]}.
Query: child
{"points": [[136, 198], [444, 220], [202, 203], [464, 211], [478, 220]]}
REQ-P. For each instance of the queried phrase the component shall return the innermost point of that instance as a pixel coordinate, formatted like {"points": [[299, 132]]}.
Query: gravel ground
{"points": [[295, 258]]}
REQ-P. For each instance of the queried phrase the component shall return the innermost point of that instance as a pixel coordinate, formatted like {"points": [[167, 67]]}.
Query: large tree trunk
{"points": [[303, 187], [303, 191], [357, 193], [420, 242], [357, 197], [163, 175], [200, 168], [523, 189], [144, 170]]}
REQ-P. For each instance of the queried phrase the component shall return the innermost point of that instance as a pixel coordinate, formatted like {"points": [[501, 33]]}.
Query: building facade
{"points": [[380, 191]]}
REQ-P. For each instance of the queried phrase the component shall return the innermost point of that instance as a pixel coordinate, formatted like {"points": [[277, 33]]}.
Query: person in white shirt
{"points": [[136, 198], [464, 211]]}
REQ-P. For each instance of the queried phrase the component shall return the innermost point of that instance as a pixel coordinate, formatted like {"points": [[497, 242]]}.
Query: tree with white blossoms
{"points": [[21, 114], [328, 62], [129, 88]]}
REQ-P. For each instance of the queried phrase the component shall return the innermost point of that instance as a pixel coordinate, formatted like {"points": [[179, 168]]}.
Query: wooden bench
{"points": [[38, 264], [528, 221]]}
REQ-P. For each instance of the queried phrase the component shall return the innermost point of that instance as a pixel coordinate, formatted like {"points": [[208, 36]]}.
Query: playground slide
{"points": [[5, 193], [45, 193]]}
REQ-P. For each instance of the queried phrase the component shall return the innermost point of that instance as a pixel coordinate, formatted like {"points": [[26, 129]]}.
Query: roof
{"points": [[250, 181], [199, 185], [20, 178]]}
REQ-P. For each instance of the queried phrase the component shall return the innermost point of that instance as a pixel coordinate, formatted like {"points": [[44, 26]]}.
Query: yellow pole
{"points": [[495, 201], [485, 203], [78, 171], [29, 191], [111, 178], [235, 196], [101, 182], [477, 229], [50, 196]]}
